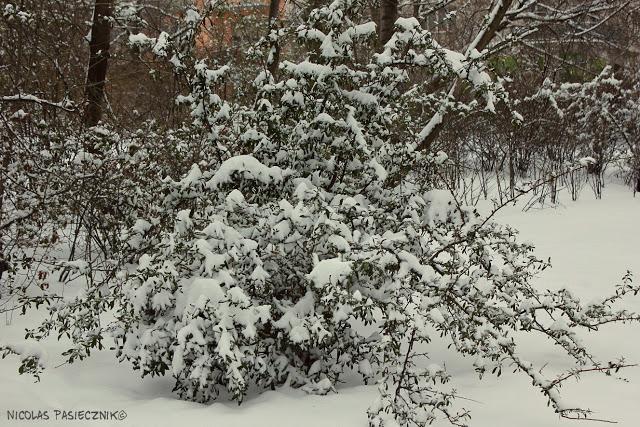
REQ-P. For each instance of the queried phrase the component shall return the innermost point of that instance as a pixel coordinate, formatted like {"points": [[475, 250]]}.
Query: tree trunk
{"points": [[274, 54], [6, 159], [98, 61], [388, 16], [512, 170], [374, 12]]}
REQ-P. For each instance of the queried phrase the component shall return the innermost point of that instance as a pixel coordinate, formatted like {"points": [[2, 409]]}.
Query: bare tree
{"points": [[98, 61], [274, 54], [388, 16], [508, 22]]}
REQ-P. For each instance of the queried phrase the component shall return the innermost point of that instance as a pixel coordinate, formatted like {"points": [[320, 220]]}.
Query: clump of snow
{"points": [[330, 272], [141, 40], [248, 167], [586, 161]]}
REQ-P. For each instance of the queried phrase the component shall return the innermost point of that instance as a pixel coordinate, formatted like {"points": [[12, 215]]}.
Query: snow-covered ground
{"points": [[591, 244]]}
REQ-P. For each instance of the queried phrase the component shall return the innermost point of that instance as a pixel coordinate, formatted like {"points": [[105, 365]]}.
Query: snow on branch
{"points": [[66, 104]]}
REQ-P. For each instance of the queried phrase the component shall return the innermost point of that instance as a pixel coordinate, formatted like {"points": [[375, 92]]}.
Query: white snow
{"points": [[80, 265], [329, 271], [436, 315], [249, 168], [160, 48], [141, 40], [327, 48], [591, 243]]}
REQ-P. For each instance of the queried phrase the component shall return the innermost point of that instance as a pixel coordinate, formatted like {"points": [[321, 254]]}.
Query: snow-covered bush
{"points": [[307, 251], [63, 207]]}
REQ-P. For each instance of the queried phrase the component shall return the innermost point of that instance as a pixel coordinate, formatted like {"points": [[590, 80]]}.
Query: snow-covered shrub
{"points": [[63, 206], [307, 251]]}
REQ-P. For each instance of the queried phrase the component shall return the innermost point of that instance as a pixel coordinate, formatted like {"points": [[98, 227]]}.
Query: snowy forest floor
{"points": [[592, 243]]}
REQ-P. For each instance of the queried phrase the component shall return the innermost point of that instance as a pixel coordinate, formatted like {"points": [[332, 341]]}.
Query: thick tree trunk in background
{"points": [[98, 61], [274, 55], [374, 9], [388, 16], [5, 161]]}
